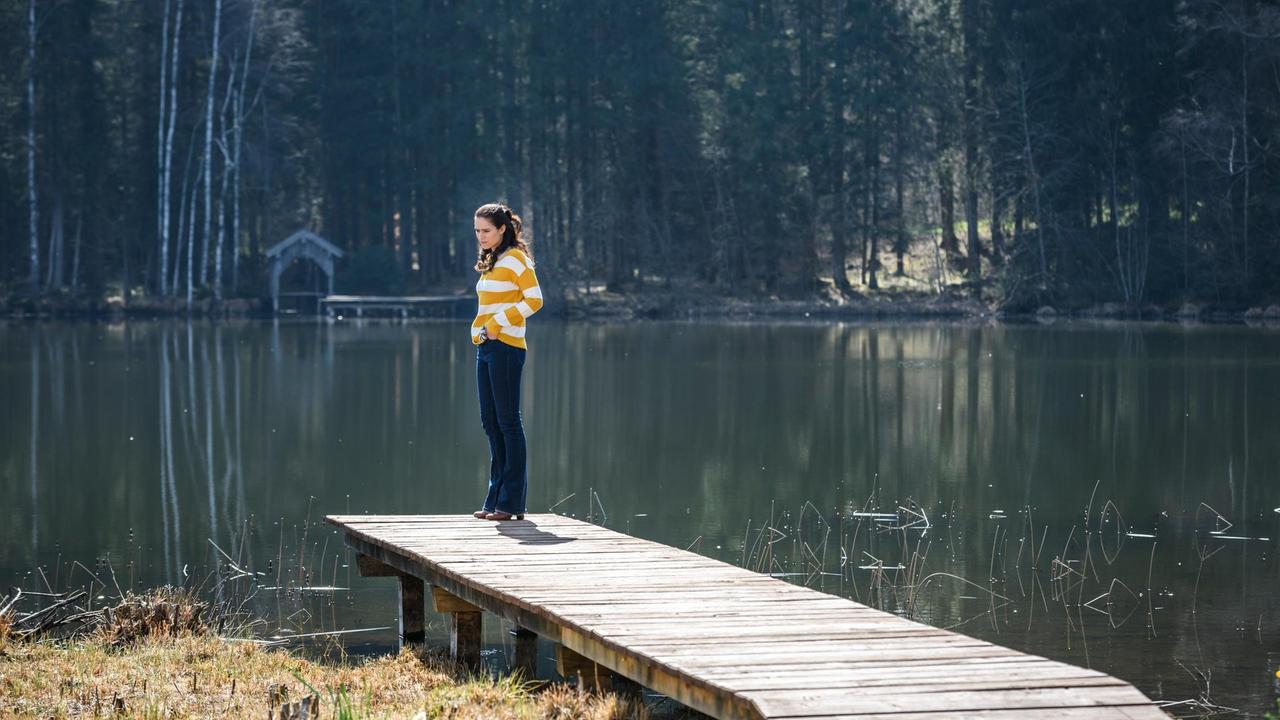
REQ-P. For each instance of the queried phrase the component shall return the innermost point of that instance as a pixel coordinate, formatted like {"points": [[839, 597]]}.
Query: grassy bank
{"points": [[157, 656], [212, 677]]}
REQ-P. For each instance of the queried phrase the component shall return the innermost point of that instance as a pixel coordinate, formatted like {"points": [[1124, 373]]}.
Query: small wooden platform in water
{"points": [[721, 639], [398, 305]]}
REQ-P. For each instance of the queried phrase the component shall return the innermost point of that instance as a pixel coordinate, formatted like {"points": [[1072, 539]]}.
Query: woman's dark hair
{"points": [[505, 219]]}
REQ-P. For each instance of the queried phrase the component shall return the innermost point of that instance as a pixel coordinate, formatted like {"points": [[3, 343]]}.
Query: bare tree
{"points": [[33, 212], [191, 234], [35, 430], [969, 126], [162, 237], [168, 143], [208, 147], [1246, 141], [1033, 176], [1264, 25], [53, 279], [237, 144], [75, 255], [186, 215], [225, 151], [1132, 247]]}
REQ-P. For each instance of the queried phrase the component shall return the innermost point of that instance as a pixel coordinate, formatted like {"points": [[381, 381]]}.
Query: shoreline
{"points": [[193, 676], [167, 653], [577, 305]]}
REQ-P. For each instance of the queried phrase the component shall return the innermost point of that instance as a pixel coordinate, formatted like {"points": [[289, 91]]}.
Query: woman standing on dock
{"points": [[509, 293]]}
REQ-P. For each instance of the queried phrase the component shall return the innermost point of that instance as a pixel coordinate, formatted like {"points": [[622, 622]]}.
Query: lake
{"points": [[1102, 494]]}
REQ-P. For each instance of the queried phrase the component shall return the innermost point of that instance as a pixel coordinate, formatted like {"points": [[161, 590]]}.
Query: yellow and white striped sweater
{"points": [[509, 293]]}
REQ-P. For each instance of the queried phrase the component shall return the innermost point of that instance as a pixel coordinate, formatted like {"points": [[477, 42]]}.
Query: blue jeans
{"points": [[498, 368]]}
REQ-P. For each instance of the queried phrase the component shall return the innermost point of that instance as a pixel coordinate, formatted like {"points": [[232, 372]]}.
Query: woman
{"points": [[509, 294]]}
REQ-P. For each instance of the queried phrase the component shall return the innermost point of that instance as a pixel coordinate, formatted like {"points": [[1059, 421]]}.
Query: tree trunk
{"points": [[235, 216], [167, 209], [182, 232], [947, 202], [1123, 265], [208, 145], [427, 265], [191, 236], [998, 200], [1018, 204], [839, 247], [974, 249], [186, 215], [238, 137], [59, 262], [900, 240], [1186, 225], [53, 280], [162, 237], [839, 191], [873, 260], [969, 22], [864, 220], [221, 231], [1245, 142], [75, 254], [224, 150], [264, 197], [1032, 176], [402, 186], [124, 271], [33, 212]]}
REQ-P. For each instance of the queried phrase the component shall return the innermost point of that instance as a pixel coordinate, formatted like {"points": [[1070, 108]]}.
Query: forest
{"points": [[1024, 152]]}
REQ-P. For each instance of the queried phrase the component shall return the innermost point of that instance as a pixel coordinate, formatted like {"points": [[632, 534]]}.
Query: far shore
{"points": [[577, 304]]}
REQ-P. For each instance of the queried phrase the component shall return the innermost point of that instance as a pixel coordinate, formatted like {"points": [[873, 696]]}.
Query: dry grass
{"points": [[206, 676], [505, 700], [162, 612], [6, 626]]}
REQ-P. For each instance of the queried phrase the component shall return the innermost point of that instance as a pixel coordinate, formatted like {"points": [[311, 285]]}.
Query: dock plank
{"points": [[726, 641]]}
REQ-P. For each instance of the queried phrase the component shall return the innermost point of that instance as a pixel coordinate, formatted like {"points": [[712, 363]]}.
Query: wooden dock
{"points": [[397, 305], [723, 640]]}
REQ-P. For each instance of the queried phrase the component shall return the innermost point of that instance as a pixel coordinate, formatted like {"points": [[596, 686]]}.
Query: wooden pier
{"points": [[723, 640], [397, 305]]}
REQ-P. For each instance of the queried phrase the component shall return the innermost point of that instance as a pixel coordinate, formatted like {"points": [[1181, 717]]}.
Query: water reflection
{"points": [[1079, 491]]}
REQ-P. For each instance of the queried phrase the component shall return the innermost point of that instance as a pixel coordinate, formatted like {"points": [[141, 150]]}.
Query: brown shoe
{"points": [[503, 516], [480, 514]]}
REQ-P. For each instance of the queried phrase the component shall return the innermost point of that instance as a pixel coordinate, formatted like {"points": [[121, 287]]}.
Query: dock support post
{"points": [[413, 620], [526, 659], [465, 627], [464, 638], [413, 623]]}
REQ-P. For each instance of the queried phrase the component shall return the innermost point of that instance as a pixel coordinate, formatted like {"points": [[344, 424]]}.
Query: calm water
{"points": [[1107, 495]]}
